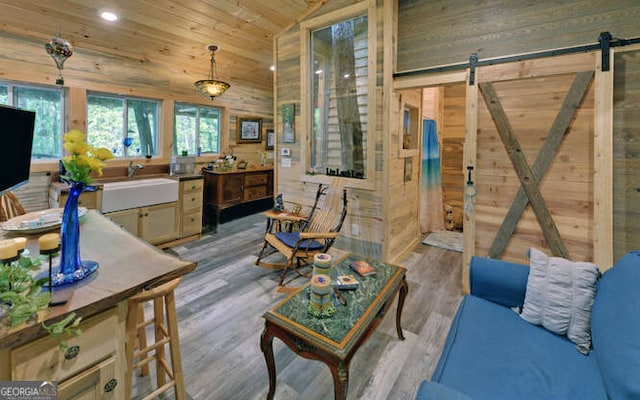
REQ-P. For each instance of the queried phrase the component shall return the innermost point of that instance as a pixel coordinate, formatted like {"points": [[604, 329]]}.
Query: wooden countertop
{"points": [[127, 266]]}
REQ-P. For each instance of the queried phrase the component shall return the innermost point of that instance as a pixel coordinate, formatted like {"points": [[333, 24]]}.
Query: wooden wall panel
{"points": [[626, 153], [567, 187], [453, 132], [432, 33]]}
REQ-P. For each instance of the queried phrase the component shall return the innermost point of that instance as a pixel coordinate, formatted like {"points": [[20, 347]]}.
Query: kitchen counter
{"points": [[127, 266]]}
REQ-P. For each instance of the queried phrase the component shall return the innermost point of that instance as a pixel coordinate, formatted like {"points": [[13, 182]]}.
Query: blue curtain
{"points": [[430, 186], [430, 155]]}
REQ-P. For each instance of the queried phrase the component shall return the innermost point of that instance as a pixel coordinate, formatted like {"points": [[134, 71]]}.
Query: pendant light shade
{"points": [[212, 87]]}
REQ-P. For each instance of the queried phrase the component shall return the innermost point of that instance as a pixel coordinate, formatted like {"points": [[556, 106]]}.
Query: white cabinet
{"points": [[155, 224]]}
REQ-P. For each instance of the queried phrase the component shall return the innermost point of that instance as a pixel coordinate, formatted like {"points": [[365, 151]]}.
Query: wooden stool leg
{"points": [[158, 310], [176, 359], [142, 338], [130, 344]]}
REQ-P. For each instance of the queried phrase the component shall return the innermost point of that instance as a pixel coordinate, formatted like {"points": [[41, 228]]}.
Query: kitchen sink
{"points": [[136, 193]]}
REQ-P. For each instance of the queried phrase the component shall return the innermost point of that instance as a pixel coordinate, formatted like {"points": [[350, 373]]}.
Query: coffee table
{"points": [[335, 339]]}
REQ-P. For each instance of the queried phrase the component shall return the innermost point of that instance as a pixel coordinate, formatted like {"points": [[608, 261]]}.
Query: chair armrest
{"points": [[499, 281], [436, 391], [318, 235]]}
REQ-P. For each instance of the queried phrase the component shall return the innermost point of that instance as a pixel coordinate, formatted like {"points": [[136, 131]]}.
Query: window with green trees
{"points": [[339, 97], [48, 104], [127, 126], [196, 129]]}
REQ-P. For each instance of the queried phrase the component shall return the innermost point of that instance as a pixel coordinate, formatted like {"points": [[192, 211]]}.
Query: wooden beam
{"points": [[543, 161], [527, 178]]}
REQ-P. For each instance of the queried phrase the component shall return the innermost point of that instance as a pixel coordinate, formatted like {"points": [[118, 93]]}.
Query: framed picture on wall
{"points": [[249, 130], [288, 123], [270, 139]]}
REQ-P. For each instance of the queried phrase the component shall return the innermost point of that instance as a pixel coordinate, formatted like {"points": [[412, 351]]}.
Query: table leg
{"points": [[404, 289], [266, 345], [340, 374]]}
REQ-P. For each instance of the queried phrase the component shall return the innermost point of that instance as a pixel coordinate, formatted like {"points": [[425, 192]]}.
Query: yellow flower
{"points": [[103, 154], [83, 158]]}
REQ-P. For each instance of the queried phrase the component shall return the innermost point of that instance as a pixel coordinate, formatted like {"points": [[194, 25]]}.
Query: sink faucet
{"points": [[132, 168]]}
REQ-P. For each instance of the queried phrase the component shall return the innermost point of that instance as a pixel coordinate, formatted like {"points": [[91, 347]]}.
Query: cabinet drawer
{"points": [[255, 193], [191, 202], [256, 179], [43, 360], [194, 185], [192, 223]]}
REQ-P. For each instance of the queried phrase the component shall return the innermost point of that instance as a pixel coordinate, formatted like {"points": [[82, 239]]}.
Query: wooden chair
{"points": [[166, 333], [316, 235], [10, 207]]}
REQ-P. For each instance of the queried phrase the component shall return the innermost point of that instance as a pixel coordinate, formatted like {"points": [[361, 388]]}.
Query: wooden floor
{"points": [[220, 307]]}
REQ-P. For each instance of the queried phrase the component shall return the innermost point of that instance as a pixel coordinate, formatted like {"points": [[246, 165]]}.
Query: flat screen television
{"points": [[16, 133]]}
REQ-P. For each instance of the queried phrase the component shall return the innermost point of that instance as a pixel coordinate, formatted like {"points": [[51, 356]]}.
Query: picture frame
{"points": [[288, 123], [270, 134], [408, 169], [249, 130]]}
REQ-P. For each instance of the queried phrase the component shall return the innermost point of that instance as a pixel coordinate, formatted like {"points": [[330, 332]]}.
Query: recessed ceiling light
{"points": [[109, 16], [272, 68]]}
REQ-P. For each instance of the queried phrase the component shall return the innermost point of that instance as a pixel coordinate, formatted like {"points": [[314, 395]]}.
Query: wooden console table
{"points": [[225, 189]]}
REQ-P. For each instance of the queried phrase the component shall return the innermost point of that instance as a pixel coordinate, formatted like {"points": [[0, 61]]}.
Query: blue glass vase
{"points": [[72, 268]]}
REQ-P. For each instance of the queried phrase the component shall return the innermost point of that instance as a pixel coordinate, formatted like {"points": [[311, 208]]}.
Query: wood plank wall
{"points": [[449, 31], [626, 153], [89, 70], [453, 130]]}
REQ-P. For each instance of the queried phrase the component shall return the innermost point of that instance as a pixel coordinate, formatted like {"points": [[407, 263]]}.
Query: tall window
{"points": [[128, 126], [48, 104], [339, 97], [196, 129]]}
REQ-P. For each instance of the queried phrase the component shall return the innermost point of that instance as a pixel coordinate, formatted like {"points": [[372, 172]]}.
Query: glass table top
{"points": [[362, 306]]}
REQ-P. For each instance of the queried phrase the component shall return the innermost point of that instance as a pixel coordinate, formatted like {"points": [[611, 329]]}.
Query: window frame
{"points": [[156, 126], [64, 112], [197, 133], [367, 8]]}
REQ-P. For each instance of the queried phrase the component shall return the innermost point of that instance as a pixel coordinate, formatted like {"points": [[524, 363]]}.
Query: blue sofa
{"points": [[492, 353]]}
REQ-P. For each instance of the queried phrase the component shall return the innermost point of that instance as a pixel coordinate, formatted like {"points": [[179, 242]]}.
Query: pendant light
{"points": [[212, 87]]}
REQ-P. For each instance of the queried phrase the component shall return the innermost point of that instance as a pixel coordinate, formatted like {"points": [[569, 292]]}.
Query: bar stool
{"points": [[139, 354]]}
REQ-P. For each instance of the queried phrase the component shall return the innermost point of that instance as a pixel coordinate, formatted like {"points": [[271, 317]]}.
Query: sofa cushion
{"points": [[615, 325], [435, 391], [560, 296], [492, 353]]}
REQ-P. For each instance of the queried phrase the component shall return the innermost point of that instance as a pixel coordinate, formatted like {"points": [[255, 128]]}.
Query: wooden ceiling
{"points": [[166, 32]]}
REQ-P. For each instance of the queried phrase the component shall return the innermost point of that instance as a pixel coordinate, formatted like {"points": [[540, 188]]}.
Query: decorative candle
{"points": [[49, 241], [21, 243], [322, 264], [320, 296], [8, 249]]}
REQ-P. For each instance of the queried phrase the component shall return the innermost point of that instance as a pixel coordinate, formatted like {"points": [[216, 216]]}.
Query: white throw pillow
{"points": [[560, 295]]}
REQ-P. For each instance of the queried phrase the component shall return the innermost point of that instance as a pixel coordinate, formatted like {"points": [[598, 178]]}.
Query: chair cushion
{"points": [[291, 238], [491, 353], [615, 326], [560, 296]]}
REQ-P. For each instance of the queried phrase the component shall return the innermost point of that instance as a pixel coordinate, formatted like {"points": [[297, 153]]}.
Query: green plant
{"points": [[22, 298]]}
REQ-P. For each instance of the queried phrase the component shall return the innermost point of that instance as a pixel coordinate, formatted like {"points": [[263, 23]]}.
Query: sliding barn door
{"points": [[532, 180]]}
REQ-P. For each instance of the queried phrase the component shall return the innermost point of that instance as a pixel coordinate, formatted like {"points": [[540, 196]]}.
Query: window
{"points": [[339, 112], [48, 103], [128, 126], [196, 129]]}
